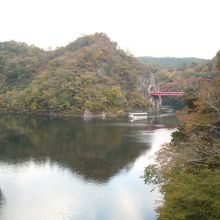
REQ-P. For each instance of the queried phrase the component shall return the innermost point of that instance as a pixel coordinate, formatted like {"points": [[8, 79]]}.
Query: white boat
{"points": [[138, 116]]}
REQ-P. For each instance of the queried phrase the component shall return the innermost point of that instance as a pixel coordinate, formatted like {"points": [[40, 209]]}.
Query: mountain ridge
{"points": [[91, 73]]}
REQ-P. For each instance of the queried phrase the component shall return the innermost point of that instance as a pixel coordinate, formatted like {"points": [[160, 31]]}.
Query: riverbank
{"points": [[188, 169]]}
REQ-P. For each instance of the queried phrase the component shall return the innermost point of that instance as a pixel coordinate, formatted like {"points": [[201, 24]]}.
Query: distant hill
{"points": [[166, 69], [89, 74], [172, 62]]}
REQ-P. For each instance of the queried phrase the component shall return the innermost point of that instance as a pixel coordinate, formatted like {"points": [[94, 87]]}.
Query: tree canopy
{"points": [[91, 73], [188, 168]]}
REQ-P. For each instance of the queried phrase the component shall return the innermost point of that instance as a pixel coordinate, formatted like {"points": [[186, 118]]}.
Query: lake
{"points": [[76, 169]]}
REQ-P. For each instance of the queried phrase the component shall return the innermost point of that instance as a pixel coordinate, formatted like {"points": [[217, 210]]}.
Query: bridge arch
{"points": [[151, 88]]}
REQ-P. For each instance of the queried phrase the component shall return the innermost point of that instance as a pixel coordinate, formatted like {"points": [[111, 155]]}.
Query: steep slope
{"points": [[216, 62], [91, 73]]}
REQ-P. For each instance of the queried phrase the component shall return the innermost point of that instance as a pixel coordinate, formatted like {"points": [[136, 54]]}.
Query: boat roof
{"points": [[138, 113]]}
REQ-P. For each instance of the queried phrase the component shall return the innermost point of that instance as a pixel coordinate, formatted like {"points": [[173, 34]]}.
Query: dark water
{"points": [[72, 169]]}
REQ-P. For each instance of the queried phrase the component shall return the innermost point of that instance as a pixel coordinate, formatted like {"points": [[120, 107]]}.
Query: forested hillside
{"points": [[168, 69], [19, 64], [172, 62], [91, 73], [188, 169]]}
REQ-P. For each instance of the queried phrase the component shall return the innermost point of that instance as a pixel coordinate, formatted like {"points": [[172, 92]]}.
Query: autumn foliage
{"points": [[91, 73], [188, 169]]}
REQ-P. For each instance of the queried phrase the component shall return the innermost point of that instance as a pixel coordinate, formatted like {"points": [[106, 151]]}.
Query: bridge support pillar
{"points": [[156, 102]]}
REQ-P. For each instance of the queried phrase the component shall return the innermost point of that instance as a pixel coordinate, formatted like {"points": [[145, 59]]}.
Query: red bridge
{"points": [[167, 93], [175, 88]]}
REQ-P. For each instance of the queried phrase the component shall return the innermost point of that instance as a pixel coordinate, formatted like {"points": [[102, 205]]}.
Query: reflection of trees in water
{"points": [[1, 198], [166, 117], [2, 202], [169, 121], [92, 149]]}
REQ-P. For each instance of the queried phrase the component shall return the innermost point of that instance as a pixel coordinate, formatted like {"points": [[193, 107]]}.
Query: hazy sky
{"points": [[144, 27]]}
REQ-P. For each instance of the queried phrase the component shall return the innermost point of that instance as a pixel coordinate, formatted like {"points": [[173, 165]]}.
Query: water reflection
{"points": [[1, 197], [2, 200], [96, 150], [77, 170]]}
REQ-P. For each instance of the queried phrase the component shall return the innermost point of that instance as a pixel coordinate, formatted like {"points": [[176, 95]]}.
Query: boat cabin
{"points": [[140, 115]]}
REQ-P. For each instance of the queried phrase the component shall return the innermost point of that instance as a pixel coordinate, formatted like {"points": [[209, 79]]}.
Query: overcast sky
{"points": [[181, 28]]}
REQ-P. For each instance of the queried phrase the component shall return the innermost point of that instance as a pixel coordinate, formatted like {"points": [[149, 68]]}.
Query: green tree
{"points": [[188, 169]]}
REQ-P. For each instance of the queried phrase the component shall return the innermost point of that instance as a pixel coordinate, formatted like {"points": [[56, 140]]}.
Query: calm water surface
{"points": [[72, 169]]}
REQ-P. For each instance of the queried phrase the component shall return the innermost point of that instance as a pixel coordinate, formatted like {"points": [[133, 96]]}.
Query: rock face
{"points": [[90, 74]]}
